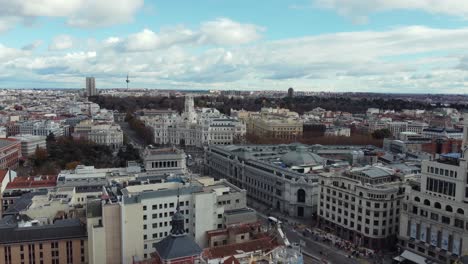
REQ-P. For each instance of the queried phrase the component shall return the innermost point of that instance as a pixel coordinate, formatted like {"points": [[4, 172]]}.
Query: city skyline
{"points": [[321, 45]]}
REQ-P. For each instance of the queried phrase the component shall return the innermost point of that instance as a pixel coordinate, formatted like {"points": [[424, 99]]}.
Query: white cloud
{"points": [[359, 9], [79, 13], [61, 42], [408, 59], [221, 32], [224, 31]]}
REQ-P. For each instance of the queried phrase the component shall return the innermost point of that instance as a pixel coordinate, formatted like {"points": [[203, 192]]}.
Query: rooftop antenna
{"points": [[127, 81]]}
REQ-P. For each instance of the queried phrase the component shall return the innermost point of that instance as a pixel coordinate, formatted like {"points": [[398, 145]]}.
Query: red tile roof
{"points": [[231, 260], [3, 173], [44, 181], [265, 244]]}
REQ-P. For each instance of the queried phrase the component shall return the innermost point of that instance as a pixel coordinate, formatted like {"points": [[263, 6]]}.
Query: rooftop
{"points": [[10, 232], [6, 142], [33, 182], [266, 243]]}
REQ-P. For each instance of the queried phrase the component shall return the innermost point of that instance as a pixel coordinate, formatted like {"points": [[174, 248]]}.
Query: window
{"points": [[155, 216], [220, 216], [459, 223], [144, 207], [144, 217], [171, 205], [445, 220]]}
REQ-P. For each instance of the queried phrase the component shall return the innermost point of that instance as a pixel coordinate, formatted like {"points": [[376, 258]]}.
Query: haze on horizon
{"points": [[395, 46]]}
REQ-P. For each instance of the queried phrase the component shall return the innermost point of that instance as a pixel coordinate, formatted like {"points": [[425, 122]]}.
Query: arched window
{"points": [[301, 196], [416, 199], [448, 208], [460, 211], [437, 205], [426, 202]]}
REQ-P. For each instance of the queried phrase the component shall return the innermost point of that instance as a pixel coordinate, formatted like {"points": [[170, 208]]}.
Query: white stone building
{"points": [[434, 225], [199, 127], [30, 143], [43, 128], [361, 205], [143, 216]]}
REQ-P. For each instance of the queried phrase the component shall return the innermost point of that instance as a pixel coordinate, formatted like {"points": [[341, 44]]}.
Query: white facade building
{"points": [[434, 221], [30, 143], [362, 206], [206, 204], [43, 128], [199, 128], [91, 86]]}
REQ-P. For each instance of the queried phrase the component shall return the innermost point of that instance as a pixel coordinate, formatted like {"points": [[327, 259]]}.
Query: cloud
{"points": [[407, 59], [358, 10], [78, 13], [219, 32], [32, 46], [224, 31], [61, 42]]}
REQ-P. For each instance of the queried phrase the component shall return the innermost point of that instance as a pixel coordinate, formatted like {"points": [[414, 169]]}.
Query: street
{"points": [[316, 250]]}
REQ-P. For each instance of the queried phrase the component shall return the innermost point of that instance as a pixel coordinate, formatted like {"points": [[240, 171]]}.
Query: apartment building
{"points": [[64, 241], [30, 143], [361, 205], [433, 219], [276, 127], [43, 128], [10, 153], [145, 213]]}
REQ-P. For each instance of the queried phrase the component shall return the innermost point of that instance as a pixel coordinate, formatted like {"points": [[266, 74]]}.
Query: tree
{"points": [[50, 137], [381, 133], [72, 165]]}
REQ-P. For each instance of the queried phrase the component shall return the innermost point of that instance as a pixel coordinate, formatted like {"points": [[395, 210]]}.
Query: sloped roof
{"points": [[231, 260], [173, 247], [61, 229]]}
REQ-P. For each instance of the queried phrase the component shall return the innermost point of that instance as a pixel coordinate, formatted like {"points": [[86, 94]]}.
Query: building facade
{"points": [[434, 217], [287, 185], [145, 213], [362, 206], [30, 143], [65, 241], [201, 127], [10, 153], [91, 86]]}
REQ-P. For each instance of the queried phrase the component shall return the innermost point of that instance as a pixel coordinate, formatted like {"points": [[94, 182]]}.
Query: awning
{"points": [[413, 257]]}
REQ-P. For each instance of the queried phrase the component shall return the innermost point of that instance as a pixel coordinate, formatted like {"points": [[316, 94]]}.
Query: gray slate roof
{"points": [[300, 157], [62, 229], [173, 247]]}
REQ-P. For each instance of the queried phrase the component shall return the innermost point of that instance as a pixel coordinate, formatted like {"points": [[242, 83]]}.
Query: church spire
{"points": [[177, 220]]}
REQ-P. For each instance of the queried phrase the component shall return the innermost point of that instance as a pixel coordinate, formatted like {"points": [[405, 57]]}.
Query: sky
{"points": [[396, 46]]}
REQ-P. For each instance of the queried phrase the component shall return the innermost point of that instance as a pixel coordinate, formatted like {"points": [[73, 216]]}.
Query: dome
{"points": [[301, 157]]}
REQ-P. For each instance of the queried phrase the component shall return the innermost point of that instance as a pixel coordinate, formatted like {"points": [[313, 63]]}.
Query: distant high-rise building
{"points": [[290, 92], [90, 86]]}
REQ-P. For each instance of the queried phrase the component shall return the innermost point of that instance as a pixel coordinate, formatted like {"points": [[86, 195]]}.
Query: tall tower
{"points": [[290, 92], [189, 110], [90, 86], [465, 132]]}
